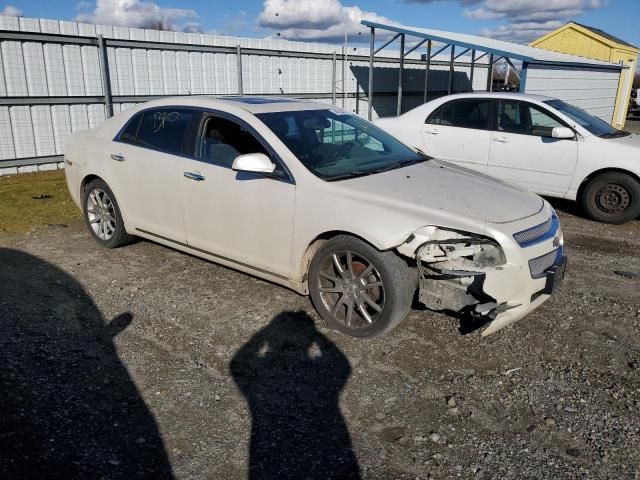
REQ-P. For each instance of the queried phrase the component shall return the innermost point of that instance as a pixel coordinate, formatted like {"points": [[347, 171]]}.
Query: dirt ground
{"points": [[144, 362]]}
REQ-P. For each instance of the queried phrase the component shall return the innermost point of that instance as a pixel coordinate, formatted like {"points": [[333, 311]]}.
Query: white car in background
{"points": [[321, 201], [543, 144]]}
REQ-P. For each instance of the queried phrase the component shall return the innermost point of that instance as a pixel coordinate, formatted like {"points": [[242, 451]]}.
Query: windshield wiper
{"points": [[616, 134], [354, 174], [393, 166]]}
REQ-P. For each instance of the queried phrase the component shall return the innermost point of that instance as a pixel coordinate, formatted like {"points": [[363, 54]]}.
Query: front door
{"points": [[242, 217], [524, 152], [458, 132]]}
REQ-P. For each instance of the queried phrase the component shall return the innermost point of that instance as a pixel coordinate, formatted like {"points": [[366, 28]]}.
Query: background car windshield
{"points": [[593, 124], [335, 145]]}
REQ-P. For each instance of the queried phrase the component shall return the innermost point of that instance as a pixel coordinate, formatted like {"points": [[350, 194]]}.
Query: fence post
{"points": [[333, 79], [426, 72], [106, 81], [239, 56], [370, 85]]}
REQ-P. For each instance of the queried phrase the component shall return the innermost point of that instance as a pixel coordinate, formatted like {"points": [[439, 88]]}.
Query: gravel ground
{"points": [[144, 362]]}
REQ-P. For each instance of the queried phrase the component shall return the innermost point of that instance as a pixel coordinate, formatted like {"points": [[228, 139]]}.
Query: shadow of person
{"points": [[291, 376], [68, 408]]}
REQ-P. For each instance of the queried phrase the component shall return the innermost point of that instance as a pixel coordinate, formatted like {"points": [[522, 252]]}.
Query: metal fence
{"points": [[59, 77]]}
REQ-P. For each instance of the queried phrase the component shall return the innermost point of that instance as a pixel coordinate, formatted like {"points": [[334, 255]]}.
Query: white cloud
{"points": [[523, 10], [521, 32], [136, 13], [527, 19], [324, 20], [11, 11]]}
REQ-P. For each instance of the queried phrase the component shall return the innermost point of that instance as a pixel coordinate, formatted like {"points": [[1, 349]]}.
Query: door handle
{"points": [[194, 176], [432, 131], [117, 157], [501, 139]]}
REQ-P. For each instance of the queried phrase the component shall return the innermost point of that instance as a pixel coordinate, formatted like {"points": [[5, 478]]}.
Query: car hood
{"points": [[632, 140], [445, 188]]}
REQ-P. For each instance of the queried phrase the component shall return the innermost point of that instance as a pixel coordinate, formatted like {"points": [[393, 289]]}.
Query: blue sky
{"points": [[327, 20]]}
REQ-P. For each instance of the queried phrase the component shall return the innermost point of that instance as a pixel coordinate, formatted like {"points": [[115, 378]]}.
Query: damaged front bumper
{"points": [[493, 278]]}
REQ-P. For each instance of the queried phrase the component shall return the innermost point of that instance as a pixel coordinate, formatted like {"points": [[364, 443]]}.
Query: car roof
{"points": [[252, 104], [521, 96]]}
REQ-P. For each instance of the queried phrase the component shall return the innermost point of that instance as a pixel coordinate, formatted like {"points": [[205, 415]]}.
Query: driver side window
{"points": [[525, 119], [220, 141]]}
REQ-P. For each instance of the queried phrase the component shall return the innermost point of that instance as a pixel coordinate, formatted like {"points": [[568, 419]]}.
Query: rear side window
{"points": [[471, 113], [160, 129]]}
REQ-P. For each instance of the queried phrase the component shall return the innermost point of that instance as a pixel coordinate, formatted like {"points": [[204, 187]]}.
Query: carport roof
{"points": [[510, 50]]}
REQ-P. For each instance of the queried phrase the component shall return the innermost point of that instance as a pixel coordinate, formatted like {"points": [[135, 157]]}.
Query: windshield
{"points": [[335, 145], [594, 125]]}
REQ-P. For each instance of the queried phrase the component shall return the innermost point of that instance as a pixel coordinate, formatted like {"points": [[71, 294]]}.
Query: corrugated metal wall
{"points": [[41, 69], [593, 90]]}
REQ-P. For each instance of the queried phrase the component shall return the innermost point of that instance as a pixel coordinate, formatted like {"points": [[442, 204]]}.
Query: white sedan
{"points": [[320, 201], [543, 144]]}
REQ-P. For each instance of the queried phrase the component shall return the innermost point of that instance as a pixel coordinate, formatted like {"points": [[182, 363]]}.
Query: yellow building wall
{"points": [[576, 40]]}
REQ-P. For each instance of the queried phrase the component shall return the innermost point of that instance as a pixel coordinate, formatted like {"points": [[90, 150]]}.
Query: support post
{"points": [[451, 69], [106, 81], [490, 74], [333, 79], [473, 66], [523, 77], [400, 72], [371, 53], [239, 57], [426, 72], [344, 75]]}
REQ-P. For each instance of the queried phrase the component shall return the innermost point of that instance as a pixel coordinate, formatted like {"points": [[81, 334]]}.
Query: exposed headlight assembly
{"points": [[450, 264]]}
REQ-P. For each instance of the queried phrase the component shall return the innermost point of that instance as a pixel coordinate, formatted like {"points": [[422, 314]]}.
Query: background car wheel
{"points": [[359, 290], [612, 197], [102, 215]]}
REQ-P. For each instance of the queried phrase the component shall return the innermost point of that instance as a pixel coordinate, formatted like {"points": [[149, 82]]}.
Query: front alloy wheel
{"points": [[351, 289], [358, 289]]}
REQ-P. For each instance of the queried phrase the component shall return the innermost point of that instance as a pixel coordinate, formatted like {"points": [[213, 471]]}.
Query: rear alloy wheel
{"points": [[102, 215], [612, 197], [359, 290]]}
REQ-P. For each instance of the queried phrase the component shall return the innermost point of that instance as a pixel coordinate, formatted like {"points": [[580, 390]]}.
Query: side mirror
{"points": [[562, 133], [253, 163]]}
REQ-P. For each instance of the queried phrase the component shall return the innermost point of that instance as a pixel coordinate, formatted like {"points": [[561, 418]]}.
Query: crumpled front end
{"points": [[497, 278]]}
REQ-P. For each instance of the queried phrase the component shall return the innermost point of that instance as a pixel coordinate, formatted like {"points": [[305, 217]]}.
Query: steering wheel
{"points": [[343, 147]]}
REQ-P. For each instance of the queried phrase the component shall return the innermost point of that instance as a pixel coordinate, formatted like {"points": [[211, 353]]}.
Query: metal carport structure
{"points": [[590, 84]]}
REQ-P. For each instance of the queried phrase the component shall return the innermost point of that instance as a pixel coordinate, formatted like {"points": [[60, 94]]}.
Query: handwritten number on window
{"points": [[160, 120]]}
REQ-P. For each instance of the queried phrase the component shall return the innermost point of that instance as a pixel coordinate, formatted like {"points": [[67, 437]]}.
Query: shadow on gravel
{"points": [[291, 376], [68, 408]]}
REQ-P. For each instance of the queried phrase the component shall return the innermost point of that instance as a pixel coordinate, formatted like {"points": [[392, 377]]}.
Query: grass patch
{"points": [[30, 200]]}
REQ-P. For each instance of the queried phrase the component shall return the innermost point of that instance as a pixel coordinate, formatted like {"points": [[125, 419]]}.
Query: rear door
{"points": [[458, 132], [146, 156], [524, 152]]}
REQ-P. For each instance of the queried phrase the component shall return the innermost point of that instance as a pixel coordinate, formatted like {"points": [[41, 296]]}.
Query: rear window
{"points": [[160, 129]]}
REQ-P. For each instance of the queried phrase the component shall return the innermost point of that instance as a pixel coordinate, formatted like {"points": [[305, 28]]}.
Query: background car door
{"points": [[243, 217], [146, 158], [458, 132], [523, 151]]}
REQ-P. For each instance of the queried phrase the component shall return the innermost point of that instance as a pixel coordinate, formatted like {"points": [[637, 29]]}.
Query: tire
{"points": [[612, 197], [102, 215], [380, 279]]}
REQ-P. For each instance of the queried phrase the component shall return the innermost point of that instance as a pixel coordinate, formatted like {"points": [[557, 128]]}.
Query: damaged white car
{"points": [[320, 201]]}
